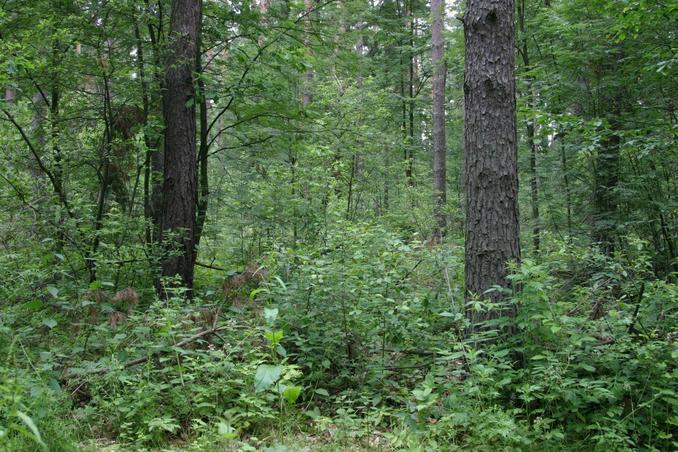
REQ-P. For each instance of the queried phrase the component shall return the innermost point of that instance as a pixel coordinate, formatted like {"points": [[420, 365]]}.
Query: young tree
{"points": [[490, 154], [438, 113], [179, 186]]}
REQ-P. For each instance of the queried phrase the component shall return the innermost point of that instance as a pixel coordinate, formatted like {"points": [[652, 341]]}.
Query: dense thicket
{"points": [[301, 166]]}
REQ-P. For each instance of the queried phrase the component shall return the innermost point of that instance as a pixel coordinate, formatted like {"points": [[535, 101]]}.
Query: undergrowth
{"points": [[357, 344]]}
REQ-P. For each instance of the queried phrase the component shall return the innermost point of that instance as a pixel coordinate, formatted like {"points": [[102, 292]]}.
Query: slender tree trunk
{"points": [[405, 102], [153, 174], [409, 170], [203, 153], [10, 94], [438, 113], [490, 154], [306, 96], [606, 177], [264, 5], [606, 165], [529, 134], [141, 67], [566, 185], [179, 184]]}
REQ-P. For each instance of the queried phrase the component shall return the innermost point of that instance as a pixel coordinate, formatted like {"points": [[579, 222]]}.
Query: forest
{"points": [[299, 225]]}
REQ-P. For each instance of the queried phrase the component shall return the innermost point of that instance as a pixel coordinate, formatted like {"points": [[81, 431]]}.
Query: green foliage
{"points": [[355, 337], [33, 409]]}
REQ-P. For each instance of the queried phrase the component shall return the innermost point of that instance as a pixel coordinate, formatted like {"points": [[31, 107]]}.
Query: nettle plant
{"points": [[276, 375]]}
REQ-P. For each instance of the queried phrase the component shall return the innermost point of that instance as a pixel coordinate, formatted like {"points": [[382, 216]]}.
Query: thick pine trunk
{"points": [[179, 184], [438, 111], [490, 155]]}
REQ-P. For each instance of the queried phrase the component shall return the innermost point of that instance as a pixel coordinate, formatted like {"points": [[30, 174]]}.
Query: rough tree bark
{"points": [[179, 183], [438, 113], [490, 155]]}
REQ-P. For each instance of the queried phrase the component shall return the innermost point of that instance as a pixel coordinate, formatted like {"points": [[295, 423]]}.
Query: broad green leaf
{"points": [[35, 304], [49, 323], [270, 314], [53, 291], [266, 375], [291, 394], [31, 425]]}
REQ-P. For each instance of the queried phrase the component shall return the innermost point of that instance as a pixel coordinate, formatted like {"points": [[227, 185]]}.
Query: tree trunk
{"points": [[606, 177], [179, 184], [153, 165], [566, 186], [306, 96], [10, 94], [490, 155], [529, 134], [409, 170], [438, 113], [203, 153]]}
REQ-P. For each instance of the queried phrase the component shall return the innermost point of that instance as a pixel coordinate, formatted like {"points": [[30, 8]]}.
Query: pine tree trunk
{"points": [[179, 184], [438, 113], [490, 155]]}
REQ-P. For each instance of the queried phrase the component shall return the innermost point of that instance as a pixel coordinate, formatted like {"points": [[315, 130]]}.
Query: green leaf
{"points": [[255, 292], [282, 284], [95, 285], [53, 291], [35, 304], [270, 314], [587, 367], [314, 413], [291, 394], [266, 375], [273, 337], [226, 431], [49, 323], [322, 392], [33, 428]]}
